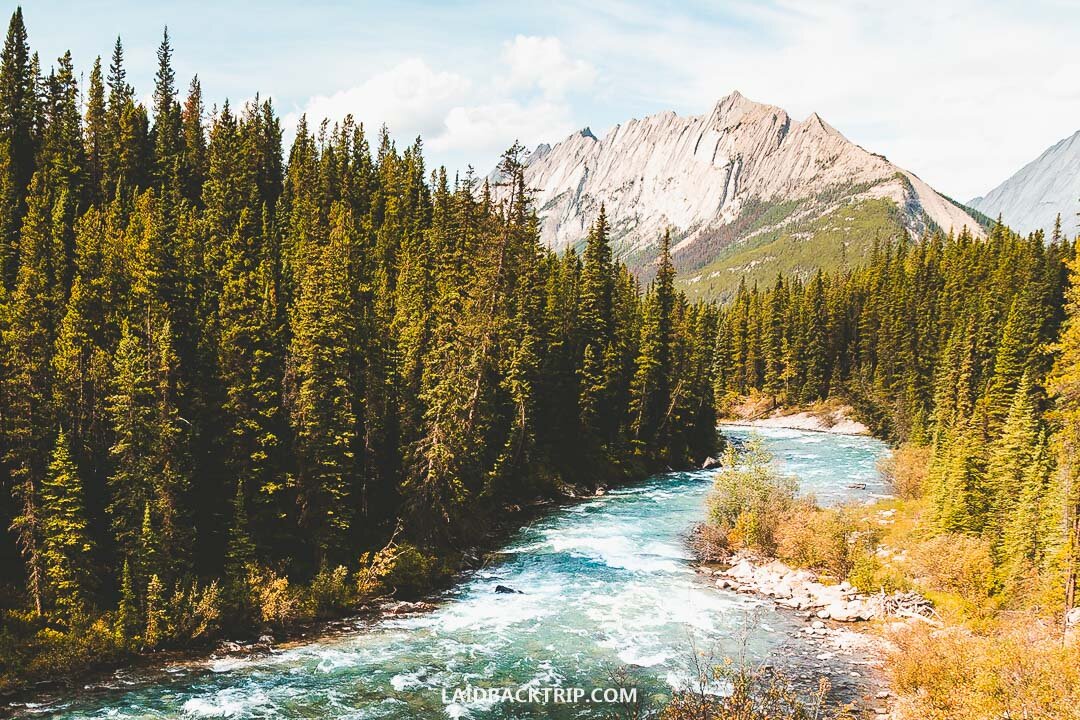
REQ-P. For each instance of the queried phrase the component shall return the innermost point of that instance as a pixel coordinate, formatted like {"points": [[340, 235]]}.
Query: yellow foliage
{"points": [[905, 470], [277, 602], [1018, 671], [955, 563]]}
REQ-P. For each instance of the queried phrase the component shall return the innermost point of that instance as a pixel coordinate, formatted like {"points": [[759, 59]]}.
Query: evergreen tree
{"points": [[65, 536], [320, 397], [18, 118], [652, 382]]}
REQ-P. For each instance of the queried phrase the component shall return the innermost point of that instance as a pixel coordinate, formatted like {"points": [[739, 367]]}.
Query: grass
{"points": [[839, 239]]}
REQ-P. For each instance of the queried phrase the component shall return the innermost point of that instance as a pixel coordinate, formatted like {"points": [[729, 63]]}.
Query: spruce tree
{"points": [[18, 117], [65, 536]]}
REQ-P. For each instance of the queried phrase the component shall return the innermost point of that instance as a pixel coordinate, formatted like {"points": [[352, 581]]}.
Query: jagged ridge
{"points": [[705, 175]]}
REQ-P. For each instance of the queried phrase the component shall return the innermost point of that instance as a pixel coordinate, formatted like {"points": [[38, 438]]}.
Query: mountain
{"points": [[746, 190], [1033, 197]]}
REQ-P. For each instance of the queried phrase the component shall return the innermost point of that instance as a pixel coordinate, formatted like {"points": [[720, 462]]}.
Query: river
{"points": [[605, 583]]}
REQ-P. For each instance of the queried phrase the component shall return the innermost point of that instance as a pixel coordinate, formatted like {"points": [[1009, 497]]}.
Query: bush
{"points": [[193, 612], [278, 604], [331, 592], [1016, 671], [401, 569], [750, 499], [31, 651], [870, 575], [814, 538], [905, 470], [956, 563]]}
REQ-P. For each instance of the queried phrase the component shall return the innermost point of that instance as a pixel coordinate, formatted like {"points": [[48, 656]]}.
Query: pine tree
{"points": [[193, 166], [320, 391], [154, 634], [127, 615], [168, 131], [652, 381], [1026, 537], [97, 135], [27, 380], [1064, 384], [150, 475], [596, 318], [65, 537], [1012, 455], [18, 117]]}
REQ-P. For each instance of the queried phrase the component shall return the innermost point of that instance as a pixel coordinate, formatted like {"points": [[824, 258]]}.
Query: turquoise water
{"points": [[605, 584]]}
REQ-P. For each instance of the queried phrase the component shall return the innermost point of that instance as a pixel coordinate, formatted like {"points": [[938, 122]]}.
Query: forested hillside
{"points": [[226, 373], [966, 348]]}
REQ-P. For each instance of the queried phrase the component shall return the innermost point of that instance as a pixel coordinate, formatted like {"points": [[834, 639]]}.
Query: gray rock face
{"points": [[700, 173], [1032, 198]]}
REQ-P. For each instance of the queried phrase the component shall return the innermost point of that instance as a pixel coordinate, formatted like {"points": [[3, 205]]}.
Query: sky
{"points": [[960, 92]]}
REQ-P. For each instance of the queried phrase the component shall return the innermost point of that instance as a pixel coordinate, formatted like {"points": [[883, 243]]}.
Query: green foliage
{"points": [[750, 498], [838, 240]]}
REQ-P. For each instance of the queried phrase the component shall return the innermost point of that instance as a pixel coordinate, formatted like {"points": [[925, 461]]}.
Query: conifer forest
{"points": [[252, 380]]}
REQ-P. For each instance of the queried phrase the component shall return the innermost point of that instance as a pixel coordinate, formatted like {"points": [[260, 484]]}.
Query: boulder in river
{"points": [[710, 463], [505, 590]]}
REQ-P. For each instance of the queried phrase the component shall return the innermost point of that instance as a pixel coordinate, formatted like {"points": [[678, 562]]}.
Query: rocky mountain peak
{"points": [[712, 178]]}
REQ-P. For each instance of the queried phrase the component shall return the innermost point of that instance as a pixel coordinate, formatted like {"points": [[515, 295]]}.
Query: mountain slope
{"points": [[1033, 197], [742, 177]]}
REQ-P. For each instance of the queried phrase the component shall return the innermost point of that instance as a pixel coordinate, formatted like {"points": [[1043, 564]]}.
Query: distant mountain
{"points": [[747, 191], [1039, 191]]}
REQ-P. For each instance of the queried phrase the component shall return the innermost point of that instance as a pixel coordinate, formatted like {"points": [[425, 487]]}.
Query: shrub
{"points": [[399, 568], [277, 602], [811, 537], [1019, 670], [194, 612], [331, 592], [750, 498], [905, 470], [956, 563], [837, 541], [869, 574]]}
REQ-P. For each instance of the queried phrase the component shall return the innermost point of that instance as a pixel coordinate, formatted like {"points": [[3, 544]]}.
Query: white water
{"points": [[605, 584]]}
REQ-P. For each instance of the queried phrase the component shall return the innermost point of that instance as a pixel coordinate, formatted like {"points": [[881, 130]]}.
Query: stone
{"points": [[506, 590]]}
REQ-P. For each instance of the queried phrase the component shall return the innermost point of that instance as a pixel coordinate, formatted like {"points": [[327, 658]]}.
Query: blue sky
{"points": [[960, 92]]}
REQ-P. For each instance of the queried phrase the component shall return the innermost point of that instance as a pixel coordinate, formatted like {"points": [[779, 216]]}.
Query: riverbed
{"points": [[605, 587]]}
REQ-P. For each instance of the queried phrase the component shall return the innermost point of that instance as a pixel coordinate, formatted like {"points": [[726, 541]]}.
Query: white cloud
{"points": [[465, 120], [411, 98], [492, 127], [541, 62]]}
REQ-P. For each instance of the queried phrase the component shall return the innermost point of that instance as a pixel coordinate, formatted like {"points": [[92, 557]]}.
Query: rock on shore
{"points": [[803, 590]]}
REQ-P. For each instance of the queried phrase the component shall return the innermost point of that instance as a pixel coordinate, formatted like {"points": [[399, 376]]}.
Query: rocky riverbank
{"points": [[822, 417], [799, 589], [843, 632]]}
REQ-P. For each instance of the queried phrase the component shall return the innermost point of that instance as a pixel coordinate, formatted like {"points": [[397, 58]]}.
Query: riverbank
{"points": [[850, 628], [948, 641], [828, 417]]}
